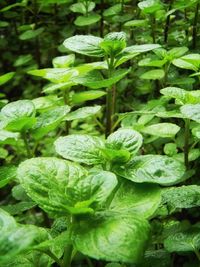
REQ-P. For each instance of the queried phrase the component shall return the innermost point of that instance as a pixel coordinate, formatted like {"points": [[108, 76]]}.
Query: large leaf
{"points": [[80, 148], [191, 112], [7, 137], [45, 181], [85, 44], [114, 238], [136, 198], [161, 129], [62, 187], [127, 139], [153, 169], [82, 113], [18, 115], [50, 120], [7, 174]]}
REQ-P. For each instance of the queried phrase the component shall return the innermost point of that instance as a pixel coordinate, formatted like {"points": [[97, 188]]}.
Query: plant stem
{"points": [[197, 254], [67, 256], [194, 30], [153, 27], [102, 19], [186, 143], [51, 255], [66, 102], [167, 24], [26, 142]]}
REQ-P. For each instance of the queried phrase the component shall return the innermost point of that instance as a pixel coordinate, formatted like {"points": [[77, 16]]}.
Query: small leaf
{"points": [[85, 44], [80, 148], [18, 115], [191, 112], [95, 80], [157, 169], [127, 139], [183, 241], [48, 121], [165, 130], [83, 21], [7, 174], [63, 61], [6, 77], [153, 75], [121, 238], [150, 6], [30, 34], [87, 95], [82, 113], [113, 43]]}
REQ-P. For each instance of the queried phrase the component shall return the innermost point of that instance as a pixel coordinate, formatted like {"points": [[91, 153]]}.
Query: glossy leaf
{"points": [[82, 113], [157, 169], [50, 120], [153, 75], [120, 238], [133, 198], [83, 21], [127, 139], [80, 148], [165, 130], [85, 44], [87, 95], [191, 112], [63, 61], [7, 174], [6, 77]]}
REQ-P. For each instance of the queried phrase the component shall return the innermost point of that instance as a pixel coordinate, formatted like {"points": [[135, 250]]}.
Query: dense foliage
{"points": [[99, 133]]}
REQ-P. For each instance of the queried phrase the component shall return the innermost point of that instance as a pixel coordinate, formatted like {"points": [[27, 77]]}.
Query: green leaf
{"points": [[136, 198], [126, 139], [85, 44], [56, 75], [87, 95], [174, 92], [136, 23], [11, 241], [95, 80], [30, 34], [7, 174], [49, 121], [112, 11], [83, 21], [183, 241], [80, 148], [81, 8], [23, 60], [190, 61], [7, 137], [157, 169], [165, 130], [116, 155], [92, 191], [121, 238], [153, 75], [183, 197], [170, 149], [151, 62], [150, 6], [45, 181], [63, 61], [176, 52], [113, 43], [82, 113], [191, 112], [132, 51], [18, 115], [6, 77]]}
